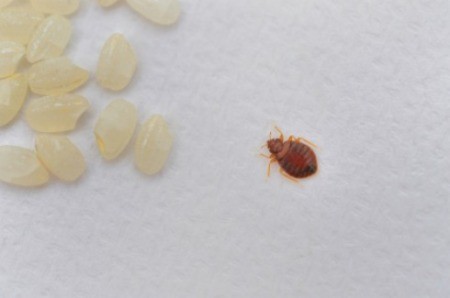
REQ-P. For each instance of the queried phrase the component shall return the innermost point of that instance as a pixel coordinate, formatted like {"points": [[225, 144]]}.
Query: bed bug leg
{"points": [[301, 140], [287, 176], [292, 179], [272, 160], [293, 139]]}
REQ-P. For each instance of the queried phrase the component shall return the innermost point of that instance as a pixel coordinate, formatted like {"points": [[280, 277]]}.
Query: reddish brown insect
{"points": [[296, 159]]}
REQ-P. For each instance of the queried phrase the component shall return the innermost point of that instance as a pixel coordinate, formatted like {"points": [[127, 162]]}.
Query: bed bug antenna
{"points": [[280, 132]]}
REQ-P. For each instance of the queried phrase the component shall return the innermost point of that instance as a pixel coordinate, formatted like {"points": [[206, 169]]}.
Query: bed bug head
{"points": [[275, 145]]}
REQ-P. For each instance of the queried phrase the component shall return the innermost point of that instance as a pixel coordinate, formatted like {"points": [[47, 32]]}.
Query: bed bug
{"points": [[296, 158]]}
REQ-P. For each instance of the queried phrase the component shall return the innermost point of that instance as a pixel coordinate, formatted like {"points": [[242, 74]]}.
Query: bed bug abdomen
{"points": [[300, 161]]}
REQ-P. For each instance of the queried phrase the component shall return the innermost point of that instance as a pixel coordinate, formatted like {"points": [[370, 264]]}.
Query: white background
{"points": [[367, 81]]}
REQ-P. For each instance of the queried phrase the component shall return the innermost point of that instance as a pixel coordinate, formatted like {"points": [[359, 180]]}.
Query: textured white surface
{"points": [[368, 81]]}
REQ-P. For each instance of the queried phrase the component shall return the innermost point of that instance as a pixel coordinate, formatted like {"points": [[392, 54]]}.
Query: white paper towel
{"points": [[367, 81]]}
